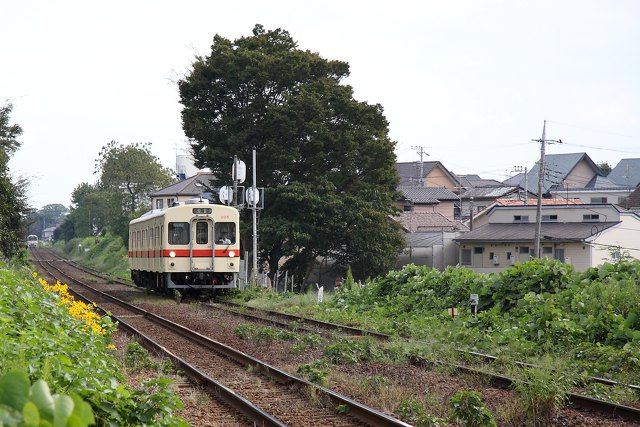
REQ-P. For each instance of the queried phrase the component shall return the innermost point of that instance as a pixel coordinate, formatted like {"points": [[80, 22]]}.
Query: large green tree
{"points": [[326, 159], [14, 206], [133, 171], [49, 216], [127, 174]]}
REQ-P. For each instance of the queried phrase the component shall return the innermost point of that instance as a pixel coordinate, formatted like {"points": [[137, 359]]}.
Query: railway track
{"points": [[258, 391], [576, 400]]}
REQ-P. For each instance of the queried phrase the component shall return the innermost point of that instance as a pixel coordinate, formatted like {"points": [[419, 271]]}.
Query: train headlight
{"points": [[232, 254], [172, 254]]}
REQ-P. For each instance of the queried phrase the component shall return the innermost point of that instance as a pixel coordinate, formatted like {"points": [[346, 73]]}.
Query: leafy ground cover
{"points": [[542, 312], [51, 343]]}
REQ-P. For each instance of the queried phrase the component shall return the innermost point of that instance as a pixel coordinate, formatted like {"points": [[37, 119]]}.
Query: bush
{"points": [[467, 408]]}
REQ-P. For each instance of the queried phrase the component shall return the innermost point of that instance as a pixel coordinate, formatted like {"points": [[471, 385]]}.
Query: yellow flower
{"points": [[34, 274], [111, 347]]}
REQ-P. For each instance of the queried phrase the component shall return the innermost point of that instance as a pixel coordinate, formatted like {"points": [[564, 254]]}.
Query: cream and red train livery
{"points": [[192, 245]]}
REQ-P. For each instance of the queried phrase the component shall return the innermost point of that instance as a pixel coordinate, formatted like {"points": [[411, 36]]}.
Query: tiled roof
{"points": [[489, 192], [557, 232], [409, 172], [534, 201], [632, 201], [427, 195], [192, 186], [626, 172], [470, 181], [426, 221], [557, 167]]}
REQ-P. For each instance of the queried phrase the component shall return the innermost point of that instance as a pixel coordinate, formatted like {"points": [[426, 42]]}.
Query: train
{"points": [[191, 245], [32, 241]]}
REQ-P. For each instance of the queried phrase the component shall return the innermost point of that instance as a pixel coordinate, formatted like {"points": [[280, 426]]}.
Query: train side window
{"points": [[202, 233], [225, 233], [178, 233]]}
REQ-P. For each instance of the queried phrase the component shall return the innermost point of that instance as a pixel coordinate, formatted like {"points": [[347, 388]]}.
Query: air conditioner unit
{"points": [[496, 260], [567, 260], [512, 260]]}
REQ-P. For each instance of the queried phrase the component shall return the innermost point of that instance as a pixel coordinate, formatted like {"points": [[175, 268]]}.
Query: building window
{"points": [[524, 250], [521, 218], [598, 200], [590, 218], [170, 202], [478, 250], [408, 208], [547, 250], [465, 257], [159, 204], [549, 218], [559, 255]]}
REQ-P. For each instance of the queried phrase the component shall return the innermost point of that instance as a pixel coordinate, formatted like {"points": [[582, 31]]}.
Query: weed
{"points": [[467, 408], [315, 372], [137, 358], [543, 390], [411, 411]]}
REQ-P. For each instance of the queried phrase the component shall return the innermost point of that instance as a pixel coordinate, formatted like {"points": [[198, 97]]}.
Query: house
{"points": [[426, 174], [477, 199], [632, 202], [626, 173], [427, 199], [47, 234], [572, 170], [198, 185], [600, 190], [583, 235]]}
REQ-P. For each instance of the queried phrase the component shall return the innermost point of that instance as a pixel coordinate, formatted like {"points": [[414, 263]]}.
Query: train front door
{"points": [[202, 253]]}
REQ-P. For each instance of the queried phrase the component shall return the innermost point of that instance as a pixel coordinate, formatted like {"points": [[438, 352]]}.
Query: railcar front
{"points": [[32, 241], [190, 246]]}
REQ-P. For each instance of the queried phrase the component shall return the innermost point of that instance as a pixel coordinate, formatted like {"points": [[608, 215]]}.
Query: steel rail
{"points": [[356, 409], [575, 400]]}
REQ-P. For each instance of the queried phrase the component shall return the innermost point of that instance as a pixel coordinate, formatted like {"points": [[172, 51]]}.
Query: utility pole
{"points": [[542, 142], [422, 153], [254, 209]]}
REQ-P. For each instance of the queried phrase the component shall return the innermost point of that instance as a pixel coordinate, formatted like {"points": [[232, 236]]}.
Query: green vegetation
{"points": [[325, 159], [13, 202], [569, 325], [103, 253], [467, 409], [55, 343], [127, 173]]}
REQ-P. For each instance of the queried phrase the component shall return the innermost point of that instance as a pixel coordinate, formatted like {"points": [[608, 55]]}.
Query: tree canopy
{"points": [[326, 159], [133, 170], [127, 174], [13, 200]]}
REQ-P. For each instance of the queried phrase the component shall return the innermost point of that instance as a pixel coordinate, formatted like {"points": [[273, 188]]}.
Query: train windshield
{"points": [[225, 233], [178, 233]]}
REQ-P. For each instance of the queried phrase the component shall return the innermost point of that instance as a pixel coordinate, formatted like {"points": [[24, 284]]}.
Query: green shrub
{"points": [[467, 408], [23, 404]]}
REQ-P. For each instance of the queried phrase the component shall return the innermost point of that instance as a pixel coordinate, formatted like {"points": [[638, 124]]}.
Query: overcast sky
{"points": [[469, 81]]}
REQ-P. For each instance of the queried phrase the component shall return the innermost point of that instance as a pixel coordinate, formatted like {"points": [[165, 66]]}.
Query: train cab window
{"points": [[202, 233], [225, 233], [178, 233]]}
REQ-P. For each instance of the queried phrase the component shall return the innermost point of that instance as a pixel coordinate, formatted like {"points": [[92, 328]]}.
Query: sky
{"points": [[468, 83]]}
